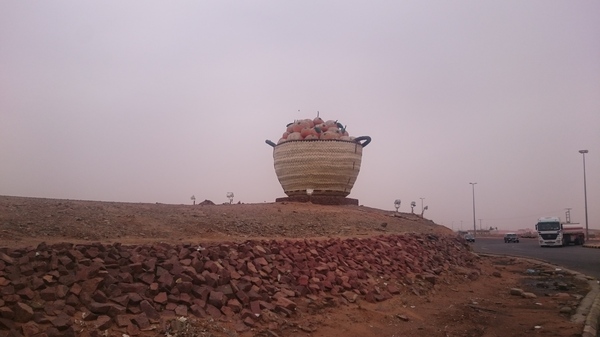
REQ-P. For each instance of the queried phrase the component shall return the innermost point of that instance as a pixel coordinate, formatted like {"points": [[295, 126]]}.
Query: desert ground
{"points": [[91, 268]]}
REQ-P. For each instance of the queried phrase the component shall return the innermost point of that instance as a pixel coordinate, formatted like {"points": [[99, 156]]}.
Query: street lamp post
{"points": [[583, 152], [474, 223], [421, 205]]}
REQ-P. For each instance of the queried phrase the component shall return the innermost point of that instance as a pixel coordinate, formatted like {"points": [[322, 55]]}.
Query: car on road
{"points": [[511, 237], [469, 238]]}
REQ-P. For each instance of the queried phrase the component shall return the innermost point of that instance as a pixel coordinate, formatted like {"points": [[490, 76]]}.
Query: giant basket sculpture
{"points": [[318, 167]]}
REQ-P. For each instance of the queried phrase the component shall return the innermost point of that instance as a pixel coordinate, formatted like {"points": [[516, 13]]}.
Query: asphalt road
{"points": [[577, 258]]}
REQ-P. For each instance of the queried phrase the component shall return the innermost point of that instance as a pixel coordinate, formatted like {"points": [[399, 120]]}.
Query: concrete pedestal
{"points": [[320, 199]]}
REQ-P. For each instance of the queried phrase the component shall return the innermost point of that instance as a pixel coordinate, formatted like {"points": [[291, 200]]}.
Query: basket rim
{"points": [[319, 140], [357, 140]]}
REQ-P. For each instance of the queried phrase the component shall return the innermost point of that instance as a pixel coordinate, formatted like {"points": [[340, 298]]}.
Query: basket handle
{"points": [[270, 143], [366, 139]]}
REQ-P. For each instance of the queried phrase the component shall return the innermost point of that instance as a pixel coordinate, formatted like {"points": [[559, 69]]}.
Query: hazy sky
{"points": [[153, 101]]}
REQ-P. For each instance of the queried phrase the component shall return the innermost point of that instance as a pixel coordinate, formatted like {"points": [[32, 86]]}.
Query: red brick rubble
{"points": [[70, 289]]}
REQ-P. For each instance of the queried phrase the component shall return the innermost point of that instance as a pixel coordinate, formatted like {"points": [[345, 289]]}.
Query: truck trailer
{"points": [[552, 232]]}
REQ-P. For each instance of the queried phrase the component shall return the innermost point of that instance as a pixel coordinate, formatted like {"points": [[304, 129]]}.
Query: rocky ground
{"points": [[84, 268]]}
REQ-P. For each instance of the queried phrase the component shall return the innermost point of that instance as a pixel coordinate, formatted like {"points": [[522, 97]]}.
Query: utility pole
{"points": [[583, 152], [474, 223]]}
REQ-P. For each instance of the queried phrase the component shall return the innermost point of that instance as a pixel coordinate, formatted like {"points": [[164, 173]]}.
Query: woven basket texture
{"points": [[328, 167]]}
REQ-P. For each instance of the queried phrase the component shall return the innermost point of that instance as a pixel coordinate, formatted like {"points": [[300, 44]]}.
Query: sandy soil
{"points": [[457, 304]]}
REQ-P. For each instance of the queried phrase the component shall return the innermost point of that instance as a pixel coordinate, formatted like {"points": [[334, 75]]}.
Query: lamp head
{"points": [[583, 151]]}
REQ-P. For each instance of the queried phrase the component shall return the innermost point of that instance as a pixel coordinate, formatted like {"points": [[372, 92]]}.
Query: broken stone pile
{"points": [[66, 289]]}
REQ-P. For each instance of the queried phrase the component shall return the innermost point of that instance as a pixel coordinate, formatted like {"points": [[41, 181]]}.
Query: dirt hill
{"points": [[32, 220], [90, 268]]}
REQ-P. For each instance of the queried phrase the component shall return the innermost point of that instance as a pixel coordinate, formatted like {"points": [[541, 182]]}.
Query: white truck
{"points": [[552, 232]]}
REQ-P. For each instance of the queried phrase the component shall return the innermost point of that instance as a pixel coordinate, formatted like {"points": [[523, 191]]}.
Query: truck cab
{"points": [[552, 232]]}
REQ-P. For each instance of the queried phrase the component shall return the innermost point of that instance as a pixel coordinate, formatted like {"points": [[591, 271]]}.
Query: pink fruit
{"points": [[329, 135], [294, 136]]}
